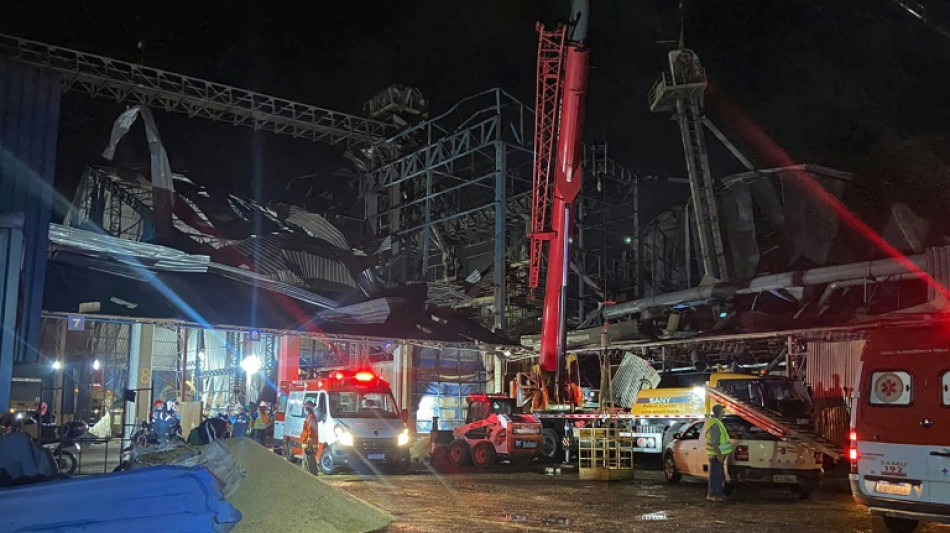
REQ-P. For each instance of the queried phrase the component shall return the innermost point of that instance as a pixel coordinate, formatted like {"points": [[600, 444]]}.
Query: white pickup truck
{"points": [[758, 458]]}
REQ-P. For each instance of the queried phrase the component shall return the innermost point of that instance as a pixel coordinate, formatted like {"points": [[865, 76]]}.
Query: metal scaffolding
{"points": [[458, 201], [127, 82]]}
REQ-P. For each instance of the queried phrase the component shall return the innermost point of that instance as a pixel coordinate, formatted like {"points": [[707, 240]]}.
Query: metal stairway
{"points": [[681, 91], [777, 424]]}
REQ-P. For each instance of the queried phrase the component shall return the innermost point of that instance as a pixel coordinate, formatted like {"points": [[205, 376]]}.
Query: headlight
{"points": [[403, 438], [343, 436]]}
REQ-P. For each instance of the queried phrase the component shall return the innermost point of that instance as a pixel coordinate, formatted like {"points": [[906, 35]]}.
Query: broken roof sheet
{"points": [[212, 299]]}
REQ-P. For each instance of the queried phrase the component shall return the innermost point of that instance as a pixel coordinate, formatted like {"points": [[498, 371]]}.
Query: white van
{"points": [[360, 423], [900, 426]]}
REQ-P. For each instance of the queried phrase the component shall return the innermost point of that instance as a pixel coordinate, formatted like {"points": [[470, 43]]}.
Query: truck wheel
{"points": [[458, 453], [483, 454], [803, 489], [550, 444], [328, 465], [669, 469], [899, 525]]}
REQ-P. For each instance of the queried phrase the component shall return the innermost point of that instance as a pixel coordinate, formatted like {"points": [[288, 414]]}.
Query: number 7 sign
{"points": [[75, 323]]}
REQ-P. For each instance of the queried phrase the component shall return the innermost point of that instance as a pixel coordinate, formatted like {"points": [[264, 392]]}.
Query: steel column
{"points": [[29, 120], [427, 231], [11, 250], [500, 265]]}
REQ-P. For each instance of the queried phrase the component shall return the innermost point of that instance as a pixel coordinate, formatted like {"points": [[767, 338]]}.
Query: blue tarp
{"points": [[442, 374], [160, 499]]}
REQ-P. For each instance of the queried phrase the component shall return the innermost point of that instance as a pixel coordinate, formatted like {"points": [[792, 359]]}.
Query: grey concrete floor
{"points": [[525, 499]]}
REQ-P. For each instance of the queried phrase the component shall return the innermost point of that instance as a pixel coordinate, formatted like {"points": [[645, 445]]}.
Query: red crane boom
{"points": [[550, 74], [567, 183]]}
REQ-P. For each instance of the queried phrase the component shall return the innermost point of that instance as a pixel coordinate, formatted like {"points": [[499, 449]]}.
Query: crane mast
{"points": [[567, 174]]}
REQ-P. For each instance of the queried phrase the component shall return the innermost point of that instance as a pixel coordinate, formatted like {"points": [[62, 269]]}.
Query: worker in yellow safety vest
{"points": [[718, 447], [261, 423]]}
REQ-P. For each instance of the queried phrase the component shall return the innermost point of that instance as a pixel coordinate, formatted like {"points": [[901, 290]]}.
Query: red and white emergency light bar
{"points": [[340, 379]]}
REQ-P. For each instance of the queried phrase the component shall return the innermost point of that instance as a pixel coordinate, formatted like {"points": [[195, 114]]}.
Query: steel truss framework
{"points": [[460, 200], [127, 82], [739, 348]]}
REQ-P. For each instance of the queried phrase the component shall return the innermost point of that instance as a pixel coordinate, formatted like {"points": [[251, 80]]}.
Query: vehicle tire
{"points": [[327, 464], [459, 454], [66, 462], [440, 456], [803, 490], [550, 444], [483, 454], [801, 494], [669, 469], [899, 525]]}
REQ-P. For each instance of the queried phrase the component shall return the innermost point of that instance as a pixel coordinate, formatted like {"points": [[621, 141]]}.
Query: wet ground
{"points": [[526, 499]]}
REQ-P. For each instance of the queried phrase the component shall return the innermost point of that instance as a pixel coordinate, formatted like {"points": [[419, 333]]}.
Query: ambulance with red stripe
{"points": [[900, 426], [360, 424]]}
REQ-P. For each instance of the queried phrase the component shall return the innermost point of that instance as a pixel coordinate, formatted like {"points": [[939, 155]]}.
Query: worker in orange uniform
{"points": [[260, 424], [308, 437], [577, 394]]}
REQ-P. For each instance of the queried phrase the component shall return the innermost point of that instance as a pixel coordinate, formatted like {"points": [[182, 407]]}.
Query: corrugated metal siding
{"points": [[29, 122], [938, 266], [831, 371]]}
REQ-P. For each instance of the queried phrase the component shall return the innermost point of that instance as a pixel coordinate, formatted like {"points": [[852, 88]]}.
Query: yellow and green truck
{"points": [[681, 398]]}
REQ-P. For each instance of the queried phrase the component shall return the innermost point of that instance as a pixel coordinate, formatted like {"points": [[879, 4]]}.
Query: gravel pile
{"points": [[279, 497]]}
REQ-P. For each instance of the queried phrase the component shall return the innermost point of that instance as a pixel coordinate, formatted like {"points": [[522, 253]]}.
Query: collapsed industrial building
{"points": [[753, 271]]}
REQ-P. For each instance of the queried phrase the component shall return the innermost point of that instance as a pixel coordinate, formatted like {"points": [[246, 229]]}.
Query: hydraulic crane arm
{"points": [[567, 184]]}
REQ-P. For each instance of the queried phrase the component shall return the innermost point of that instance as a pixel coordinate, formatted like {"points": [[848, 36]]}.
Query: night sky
{"points": [[860, 85]]}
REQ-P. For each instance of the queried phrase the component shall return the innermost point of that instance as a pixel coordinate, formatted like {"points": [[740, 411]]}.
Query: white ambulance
{"points": [[900, 426], [360, 424]]}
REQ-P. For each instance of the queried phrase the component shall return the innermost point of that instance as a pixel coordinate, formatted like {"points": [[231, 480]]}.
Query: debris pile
{"points": [[279, 497]]}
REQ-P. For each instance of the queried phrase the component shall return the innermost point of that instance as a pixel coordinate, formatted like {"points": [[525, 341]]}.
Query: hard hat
{"points": [[717, 409], [263, 404]]}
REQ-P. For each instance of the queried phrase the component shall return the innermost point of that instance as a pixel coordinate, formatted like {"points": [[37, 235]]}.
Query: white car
{"points": [[758, 457]]}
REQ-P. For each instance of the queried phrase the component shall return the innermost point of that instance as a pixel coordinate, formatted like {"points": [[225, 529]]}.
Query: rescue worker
{"points": [[309, 437], [718, 448], [158, 411], [45, 416], [260, 425], [47, 421], [161, 420], [239, 422]]}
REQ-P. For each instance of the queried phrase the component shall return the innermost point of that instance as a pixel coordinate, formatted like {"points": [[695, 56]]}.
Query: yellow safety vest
{"points": [[263, 420], [724, 444]]}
